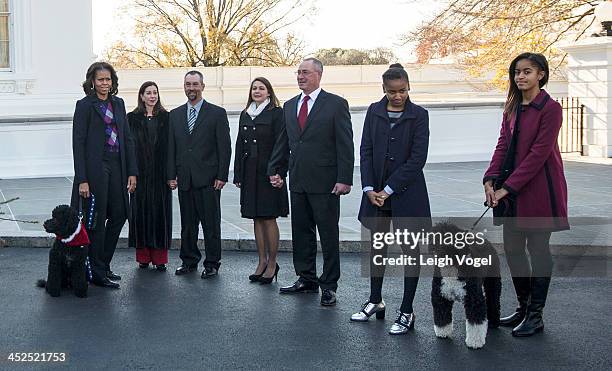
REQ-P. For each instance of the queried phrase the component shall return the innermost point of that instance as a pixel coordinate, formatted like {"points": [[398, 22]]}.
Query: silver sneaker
{"points": [[403, 323], [367, 310]]}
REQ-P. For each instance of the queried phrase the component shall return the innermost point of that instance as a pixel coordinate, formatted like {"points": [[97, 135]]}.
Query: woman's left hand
{"points": [[499, 194], [131, 186]]}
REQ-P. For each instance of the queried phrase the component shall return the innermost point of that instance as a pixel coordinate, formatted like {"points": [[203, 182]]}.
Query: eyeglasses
{"points": [[303, 72]]}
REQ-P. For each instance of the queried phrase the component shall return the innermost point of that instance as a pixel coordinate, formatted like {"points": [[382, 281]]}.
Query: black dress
{"points": [[151, 203], [262, 151]]}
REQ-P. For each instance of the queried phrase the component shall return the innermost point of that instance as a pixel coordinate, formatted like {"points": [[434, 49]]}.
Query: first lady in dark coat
{"points": [[104, 165], [526, 175], [394, 147], [151, 204], [260, 167]]}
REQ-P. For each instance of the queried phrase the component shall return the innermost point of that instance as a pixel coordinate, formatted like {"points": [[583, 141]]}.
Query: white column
{"points": [[590, 80]]}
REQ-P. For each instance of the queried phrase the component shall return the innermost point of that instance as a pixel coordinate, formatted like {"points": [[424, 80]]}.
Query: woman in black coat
{"points": [[104, 165], [151, 204], [393, 151], [260, 167]]}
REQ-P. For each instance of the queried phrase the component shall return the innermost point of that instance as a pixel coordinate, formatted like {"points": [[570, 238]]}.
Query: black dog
{"points": [[461, 281], [68, 256]]}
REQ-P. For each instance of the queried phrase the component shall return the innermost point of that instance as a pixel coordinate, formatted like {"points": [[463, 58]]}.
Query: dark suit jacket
{"points": [[322, 154], [88, 139], [407, 145], [197, 159]]}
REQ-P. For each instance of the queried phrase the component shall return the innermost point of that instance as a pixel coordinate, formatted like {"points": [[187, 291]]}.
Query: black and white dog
{"points": [[68, 255], [464, 282]]}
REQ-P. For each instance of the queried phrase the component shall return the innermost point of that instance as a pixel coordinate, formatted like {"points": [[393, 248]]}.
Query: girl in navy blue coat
{"points": [[394, 146]]}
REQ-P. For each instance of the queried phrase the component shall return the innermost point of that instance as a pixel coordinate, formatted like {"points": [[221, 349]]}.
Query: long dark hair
{"points": [[273, 99], [141, 106], [90, 76], [515, 96]]}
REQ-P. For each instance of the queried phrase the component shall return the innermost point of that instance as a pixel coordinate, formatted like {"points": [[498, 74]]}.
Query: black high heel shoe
{"points": [[256, 277], [267, 280]]}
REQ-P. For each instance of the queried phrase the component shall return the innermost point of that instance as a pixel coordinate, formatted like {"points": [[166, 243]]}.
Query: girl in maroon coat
{"points": [[525, 179]]}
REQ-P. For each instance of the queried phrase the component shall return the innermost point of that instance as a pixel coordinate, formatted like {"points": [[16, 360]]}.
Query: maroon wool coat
{"points": [[537, 181]]}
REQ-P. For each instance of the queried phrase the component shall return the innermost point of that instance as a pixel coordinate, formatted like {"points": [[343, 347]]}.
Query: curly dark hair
{"points": [[88, 84], [64, 221]]}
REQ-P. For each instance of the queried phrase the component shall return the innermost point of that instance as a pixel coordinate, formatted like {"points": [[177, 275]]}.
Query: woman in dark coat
{"points": [[260, 167], [394, 147], [525, 178], [104, 165], [151, 224]]}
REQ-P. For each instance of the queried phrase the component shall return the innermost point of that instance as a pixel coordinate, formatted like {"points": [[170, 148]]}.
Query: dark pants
{"points": [[111, 216], [377, 272], [311, 212], [538, 244], [200, 205]]}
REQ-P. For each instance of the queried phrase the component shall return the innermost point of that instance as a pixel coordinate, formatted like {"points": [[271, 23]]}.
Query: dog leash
{"points": [[89, 222], [479, 219]]}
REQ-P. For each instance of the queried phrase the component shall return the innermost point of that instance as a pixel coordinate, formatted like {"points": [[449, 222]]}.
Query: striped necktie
{"points": [[192, 119]]}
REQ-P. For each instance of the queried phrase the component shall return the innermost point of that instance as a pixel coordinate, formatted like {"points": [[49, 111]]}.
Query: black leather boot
{"points": [[522, 289], [533, 322]]}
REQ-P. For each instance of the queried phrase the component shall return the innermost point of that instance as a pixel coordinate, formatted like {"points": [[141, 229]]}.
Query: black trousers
{"points": [[311, 212], [538, 243], [377, 272], [200, 206], [112, 215]]}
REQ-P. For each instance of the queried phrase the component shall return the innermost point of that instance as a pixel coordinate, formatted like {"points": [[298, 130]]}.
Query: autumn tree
{"points": [[485, 35], [190, 33], [340, 56]]}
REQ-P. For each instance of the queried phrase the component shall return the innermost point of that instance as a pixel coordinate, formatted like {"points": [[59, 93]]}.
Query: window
{"points": [[4, 34]]}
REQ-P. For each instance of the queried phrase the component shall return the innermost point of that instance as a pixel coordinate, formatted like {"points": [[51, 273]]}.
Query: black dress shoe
{"points": [[184, 269], [328, 298], [300, 287], [105, 282], [161, 267], [209, 272], [112, 276], [143, 265]]}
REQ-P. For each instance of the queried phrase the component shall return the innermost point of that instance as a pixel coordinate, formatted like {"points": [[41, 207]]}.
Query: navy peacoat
{"points": [[406, 146]]}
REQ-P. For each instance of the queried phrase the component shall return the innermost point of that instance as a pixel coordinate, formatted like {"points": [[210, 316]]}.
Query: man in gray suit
{"points": [[320, 171], [199, 151]]}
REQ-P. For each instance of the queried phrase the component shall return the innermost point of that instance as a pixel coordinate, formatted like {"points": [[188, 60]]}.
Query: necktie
{"points": [[192, 119], [303, 114]]}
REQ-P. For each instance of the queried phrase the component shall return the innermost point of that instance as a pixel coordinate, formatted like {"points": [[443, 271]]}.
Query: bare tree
{"points": [[484, 35], [180, 33]]}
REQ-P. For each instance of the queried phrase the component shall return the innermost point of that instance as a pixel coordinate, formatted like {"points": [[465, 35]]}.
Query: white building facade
{"points": [[46, 47]]}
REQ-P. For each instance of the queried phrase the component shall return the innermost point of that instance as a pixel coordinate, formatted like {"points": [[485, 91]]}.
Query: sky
{"points": [[361, 24]]}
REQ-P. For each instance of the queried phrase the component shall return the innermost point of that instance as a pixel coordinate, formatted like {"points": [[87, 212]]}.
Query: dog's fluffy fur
{"points": [[66, 263], [478, 288]]}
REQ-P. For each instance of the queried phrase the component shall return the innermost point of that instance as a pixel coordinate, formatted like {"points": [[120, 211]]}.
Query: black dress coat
{"points": [[88, 140], [407, 144], [197, 159], [323, 153], [151, 203], [256, 141]]}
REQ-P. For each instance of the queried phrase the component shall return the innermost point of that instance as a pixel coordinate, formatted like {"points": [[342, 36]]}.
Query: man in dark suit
{"points": [[199, 151], [320, 171]]}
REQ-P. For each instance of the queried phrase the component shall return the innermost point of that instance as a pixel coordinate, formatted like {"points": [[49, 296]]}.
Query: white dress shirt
{"points": [[313, 97]]}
